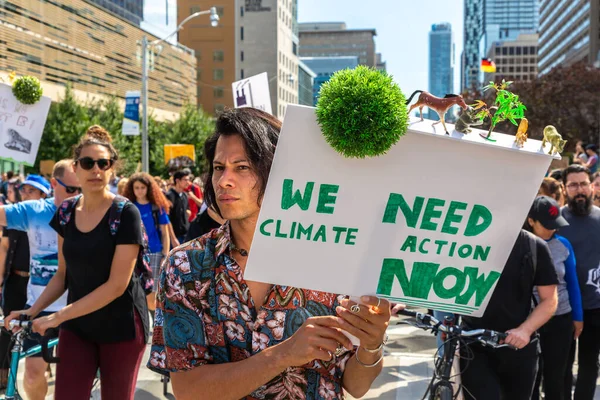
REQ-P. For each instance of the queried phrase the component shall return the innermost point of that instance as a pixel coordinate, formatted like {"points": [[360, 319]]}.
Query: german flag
{"points": [[488, 65]]}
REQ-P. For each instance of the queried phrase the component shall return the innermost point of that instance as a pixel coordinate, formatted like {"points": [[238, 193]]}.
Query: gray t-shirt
{"points": [[584, 235]]}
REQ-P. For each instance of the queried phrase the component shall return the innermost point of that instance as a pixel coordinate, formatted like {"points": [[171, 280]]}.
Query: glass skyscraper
{"points": [[473, 32], [441, 62]]}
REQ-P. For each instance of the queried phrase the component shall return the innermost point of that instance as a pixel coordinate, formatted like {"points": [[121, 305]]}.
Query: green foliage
{"points": [[362, 112], [507, 106], [27, 89], [69, 119]]}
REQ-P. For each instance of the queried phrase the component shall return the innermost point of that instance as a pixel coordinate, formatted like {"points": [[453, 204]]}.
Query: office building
{"points": [[96, 51], [473, 32], [252, 37], [491, 21], [569, 32], [516, 60], [380, 65], [306, 78], [335, 40], [325, 67], [441, 62]]}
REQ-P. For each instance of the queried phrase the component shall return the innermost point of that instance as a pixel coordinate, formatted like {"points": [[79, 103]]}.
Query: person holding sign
{"points": [[495, 374], [220, 336]]}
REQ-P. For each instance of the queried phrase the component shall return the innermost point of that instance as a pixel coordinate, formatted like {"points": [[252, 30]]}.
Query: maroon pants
{"points": [[80, 360]]}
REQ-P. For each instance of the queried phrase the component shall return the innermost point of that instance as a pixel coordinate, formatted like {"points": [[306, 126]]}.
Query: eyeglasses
{"points": [[574, 186], [87, 163], [69, 189]]}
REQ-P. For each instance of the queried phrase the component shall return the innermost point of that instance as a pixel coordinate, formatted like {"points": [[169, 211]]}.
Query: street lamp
{"points": [[146, 46]]}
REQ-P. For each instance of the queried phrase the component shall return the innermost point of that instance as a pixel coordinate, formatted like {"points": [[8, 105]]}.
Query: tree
{"points": [[569, 99], [67, 121], [506, 106]]}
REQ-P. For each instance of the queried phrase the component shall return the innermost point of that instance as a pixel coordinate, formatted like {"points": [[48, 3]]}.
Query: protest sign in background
{"points": [[21, 126], [252, 92], [431, 223], [178, 150]]}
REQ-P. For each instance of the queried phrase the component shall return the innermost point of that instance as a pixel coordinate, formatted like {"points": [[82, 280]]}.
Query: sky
{"points": [[402, 31]]}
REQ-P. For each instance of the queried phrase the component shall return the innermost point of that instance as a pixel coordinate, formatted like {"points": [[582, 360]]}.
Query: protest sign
{"points": [[431, 223], [131, 117], [178, 150], [21, 126], [252, 92]]}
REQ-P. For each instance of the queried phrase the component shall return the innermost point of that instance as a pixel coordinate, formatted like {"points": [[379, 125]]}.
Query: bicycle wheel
{"points": [[443, 393]]}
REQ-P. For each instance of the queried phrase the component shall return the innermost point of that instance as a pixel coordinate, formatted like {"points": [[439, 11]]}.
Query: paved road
{"points": [[407, 370]]}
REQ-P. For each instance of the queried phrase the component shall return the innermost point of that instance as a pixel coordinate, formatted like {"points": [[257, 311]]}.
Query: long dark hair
{"points": [[153, 192], [259, 131]]}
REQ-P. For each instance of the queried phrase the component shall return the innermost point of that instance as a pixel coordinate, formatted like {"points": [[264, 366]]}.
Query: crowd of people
{"points": [[113, 261]]}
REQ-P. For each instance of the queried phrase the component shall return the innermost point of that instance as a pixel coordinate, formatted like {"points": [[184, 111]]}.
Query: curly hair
{"points": [[153, 192]]}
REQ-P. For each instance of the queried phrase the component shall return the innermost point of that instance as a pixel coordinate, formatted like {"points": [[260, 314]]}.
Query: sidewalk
{"points": [[408, 368]]}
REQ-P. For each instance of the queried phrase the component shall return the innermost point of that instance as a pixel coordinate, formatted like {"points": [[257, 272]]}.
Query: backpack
{"points": [[142, 266]]}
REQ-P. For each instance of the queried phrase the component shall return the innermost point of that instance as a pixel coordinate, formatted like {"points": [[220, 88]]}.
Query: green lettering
{"points": [[440, 243], [263, 225], [465, 250], [452, 217], [277, 230], [422, 246], [478, 285], [420, 282], [350, 236], [396, 201], [474, 226], [304, 231], [431, 213], [441, 290], [338, 232], [320, 233], [293, 230], [326, 198], [481, 253], [302, 199], [410, 243]]}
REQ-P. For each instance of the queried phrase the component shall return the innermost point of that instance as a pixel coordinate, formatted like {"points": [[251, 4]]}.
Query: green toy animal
{"points": [[552, 136]]}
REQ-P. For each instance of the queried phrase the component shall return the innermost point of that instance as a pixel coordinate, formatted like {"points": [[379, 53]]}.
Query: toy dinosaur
{"points": [[437, 104], [466, 120], [556, 141], [521, 136]]}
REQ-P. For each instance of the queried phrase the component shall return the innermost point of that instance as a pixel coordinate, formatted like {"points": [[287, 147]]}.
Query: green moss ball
{"points": [[362, 112], [27, 89]]}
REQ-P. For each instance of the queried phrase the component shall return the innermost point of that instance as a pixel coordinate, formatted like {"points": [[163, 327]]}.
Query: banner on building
{"points": [[253, 92], [131, 120], [431, 223], [21, 126]]}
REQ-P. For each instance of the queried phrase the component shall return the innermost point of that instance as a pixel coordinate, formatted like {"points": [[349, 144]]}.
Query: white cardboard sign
{"points": [[431, 223], [252, 92], [21, 126]]}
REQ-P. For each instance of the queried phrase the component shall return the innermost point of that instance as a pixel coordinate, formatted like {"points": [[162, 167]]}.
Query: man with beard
{"points": [[584, 234]]}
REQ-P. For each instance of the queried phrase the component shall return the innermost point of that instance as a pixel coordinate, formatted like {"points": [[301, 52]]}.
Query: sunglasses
{"points": [[69, 189], [87, 163]]}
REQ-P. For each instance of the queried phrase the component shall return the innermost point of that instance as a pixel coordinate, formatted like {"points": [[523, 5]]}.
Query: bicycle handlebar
{"points": [[485, 337], [50, 334]]}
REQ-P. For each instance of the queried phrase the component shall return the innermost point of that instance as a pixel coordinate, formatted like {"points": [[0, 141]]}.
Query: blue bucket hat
{"points": [[38, 182]]}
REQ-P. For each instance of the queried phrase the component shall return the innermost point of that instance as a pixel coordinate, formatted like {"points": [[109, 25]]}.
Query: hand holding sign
{"points": [[367, 320], [317, 339]]}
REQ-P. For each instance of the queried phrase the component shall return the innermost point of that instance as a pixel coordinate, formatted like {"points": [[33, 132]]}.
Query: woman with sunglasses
{"points": [[143, 191], [105, 323]]}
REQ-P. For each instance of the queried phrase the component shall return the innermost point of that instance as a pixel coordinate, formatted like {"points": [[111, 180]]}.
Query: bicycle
{"points": [[45, 347], [440, 386]]}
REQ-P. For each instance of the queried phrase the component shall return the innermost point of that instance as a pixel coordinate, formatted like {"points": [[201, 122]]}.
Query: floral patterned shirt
{"points": [[205, 315]]}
